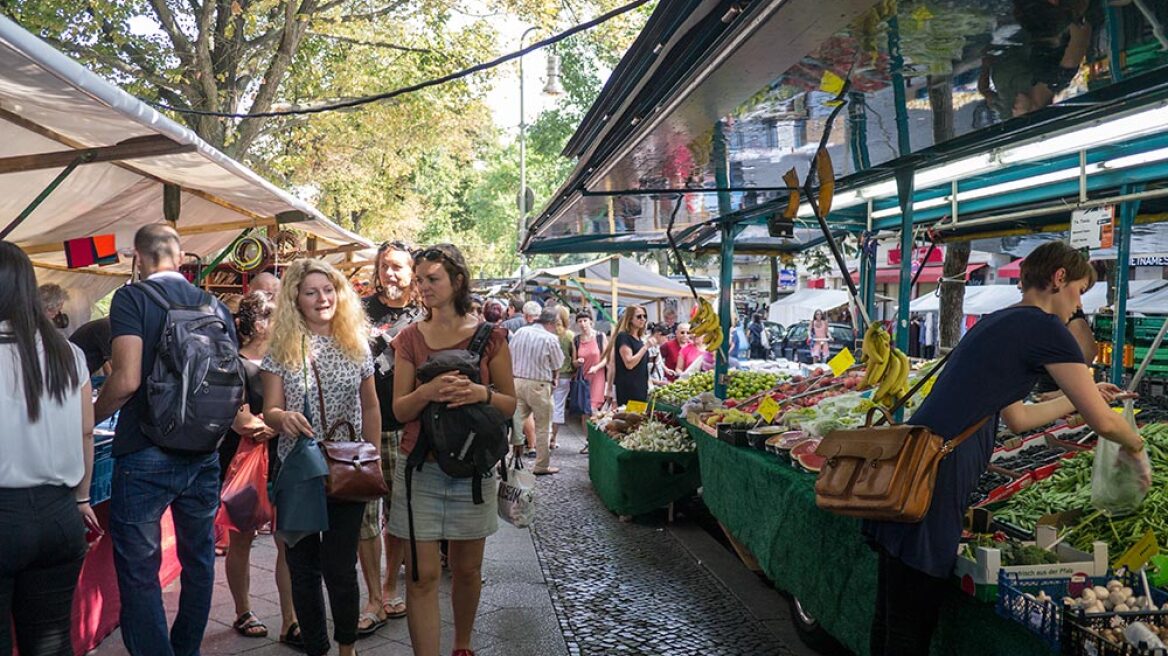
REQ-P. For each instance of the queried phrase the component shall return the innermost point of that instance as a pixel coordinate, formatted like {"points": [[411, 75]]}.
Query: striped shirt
{"points": [[535, 353]]}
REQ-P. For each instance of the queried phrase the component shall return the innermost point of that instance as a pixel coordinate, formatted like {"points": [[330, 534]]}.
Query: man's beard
{"points": [[393, 292]]}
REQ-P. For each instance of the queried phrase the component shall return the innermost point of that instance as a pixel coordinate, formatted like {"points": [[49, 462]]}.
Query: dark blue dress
{"points": [[995, 365]]}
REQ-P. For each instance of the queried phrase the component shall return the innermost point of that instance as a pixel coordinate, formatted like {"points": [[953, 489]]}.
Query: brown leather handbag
{"points": [[354, 465], [882, 472]]}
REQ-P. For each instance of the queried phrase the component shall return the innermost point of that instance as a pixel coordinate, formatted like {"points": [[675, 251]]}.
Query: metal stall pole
{"points": [[1127, 218], [904, 189], [726, 274]]}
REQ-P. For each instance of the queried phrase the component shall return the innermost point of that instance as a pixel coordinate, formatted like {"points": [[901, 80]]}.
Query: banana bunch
{"points": [[887, 367], [705, 322]]}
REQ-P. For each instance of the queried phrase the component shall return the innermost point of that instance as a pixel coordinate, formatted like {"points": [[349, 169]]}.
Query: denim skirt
{"points": [[444, 508]]}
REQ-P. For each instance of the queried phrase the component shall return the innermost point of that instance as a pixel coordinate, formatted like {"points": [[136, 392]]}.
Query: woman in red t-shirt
{"points": [[443, 507]]}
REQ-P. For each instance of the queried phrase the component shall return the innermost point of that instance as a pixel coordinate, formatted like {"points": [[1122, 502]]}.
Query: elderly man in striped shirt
{"points": [[536, 357]]}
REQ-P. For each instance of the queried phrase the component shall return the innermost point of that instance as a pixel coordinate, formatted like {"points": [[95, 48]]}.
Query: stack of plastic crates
{"points": [[103, 472]]}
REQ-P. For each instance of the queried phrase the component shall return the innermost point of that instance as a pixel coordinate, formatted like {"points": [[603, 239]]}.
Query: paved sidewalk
{"points": [[581, 583]]}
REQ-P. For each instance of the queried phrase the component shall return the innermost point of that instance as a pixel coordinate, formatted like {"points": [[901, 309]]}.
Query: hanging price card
{"points": [[1139, 553], [768, 408], [842, 362]]}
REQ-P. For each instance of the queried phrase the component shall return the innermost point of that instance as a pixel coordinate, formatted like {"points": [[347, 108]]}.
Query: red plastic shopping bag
{"points": [[245, 504]]}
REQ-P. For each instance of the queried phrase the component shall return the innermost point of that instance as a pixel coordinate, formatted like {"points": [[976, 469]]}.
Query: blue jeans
{"points": [[145, 483]]}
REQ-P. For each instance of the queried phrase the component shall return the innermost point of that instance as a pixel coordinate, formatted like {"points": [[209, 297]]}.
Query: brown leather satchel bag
{"points": [[882, 472], [354, 466]]}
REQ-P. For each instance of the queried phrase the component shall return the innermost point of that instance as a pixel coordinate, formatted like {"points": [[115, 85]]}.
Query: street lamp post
{"points": [[552, 88]]}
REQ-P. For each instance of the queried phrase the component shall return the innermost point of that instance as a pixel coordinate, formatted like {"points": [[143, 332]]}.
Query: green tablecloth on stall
{"points": [[636, 482], [769, 507]]}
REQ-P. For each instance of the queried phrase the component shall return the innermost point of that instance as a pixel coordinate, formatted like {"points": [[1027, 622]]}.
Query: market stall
{"points": [[717, 121], [83, 165]]}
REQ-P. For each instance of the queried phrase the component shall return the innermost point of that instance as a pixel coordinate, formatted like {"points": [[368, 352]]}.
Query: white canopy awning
{"points": [[985, 299], [50, 103], [1153, 303], [802, 304], [635, 283]]}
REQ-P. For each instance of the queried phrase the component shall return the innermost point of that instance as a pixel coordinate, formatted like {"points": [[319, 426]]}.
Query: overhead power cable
{"points": [[466, 72]]}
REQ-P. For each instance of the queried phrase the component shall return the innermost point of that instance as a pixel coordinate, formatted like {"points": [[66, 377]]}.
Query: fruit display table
{"points": [[820, 558], [636, 482]]}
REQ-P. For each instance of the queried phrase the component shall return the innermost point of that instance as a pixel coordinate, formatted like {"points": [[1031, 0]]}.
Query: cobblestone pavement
{"points": [[581, 583], [631, 588]]}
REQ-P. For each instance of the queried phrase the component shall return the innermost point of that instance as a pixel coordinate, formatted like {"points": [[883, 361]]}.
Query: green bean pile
{"points": [[1069, 488]]}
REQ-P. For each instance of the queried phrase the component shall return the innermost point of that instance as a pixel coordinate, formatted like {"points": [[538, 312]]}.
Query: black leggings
{"points": [[908, 604], [331, 555]]}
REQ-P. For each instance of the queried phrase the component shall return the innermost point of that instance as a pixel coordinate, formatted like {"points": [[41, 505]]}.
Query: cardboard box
{"points": [[978, 577]]}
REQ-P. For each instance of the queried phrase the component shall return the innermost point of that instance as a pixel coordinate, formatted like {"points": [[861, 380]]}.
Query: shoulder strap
{"points": [[319, 393], [956, 442], [154, 292], [478, 343]]}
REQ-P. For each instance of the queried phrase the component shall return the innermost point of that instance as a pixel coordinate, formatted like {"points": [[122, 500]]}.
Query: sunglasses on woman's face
{"points": [[639, 316]]}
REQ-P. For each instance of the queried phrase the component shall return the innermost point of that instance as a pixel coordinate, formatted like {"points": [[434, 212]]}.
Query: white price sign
{"points": [[1092, 228]]}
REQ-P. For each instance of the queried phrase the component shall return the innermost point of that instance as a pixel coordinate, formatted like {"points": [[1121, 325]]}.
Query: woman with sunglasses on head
{"points": [[630, 356], [320, 357], [46, 438], [443, 507]]}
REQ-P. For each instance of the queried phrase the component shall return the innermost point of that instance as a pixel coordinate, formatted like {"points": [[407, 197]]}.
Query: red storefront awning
{"points": [[1011, 270], [930, 276]]}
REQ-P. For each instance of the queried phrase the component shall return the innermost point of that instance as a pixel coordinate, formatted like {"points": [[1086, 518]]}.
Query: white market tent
{"points": [[1155, 302], [980, 300], [52, 108], [802, 304], [635, 284]]}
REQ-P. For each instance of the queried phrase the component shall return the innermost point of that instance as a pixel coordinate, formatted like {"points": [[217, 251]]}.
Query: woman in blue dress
{"points": [[990, 372]]}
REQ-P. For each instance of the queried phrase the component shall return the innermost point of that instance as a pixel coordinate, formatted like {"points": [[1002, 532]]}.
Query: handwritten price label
{"points": [[768, 408]]}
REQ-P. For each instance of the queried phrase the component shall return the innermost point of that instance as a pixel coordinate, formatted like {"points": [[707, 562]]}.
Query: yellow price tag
{"points": [[636, 407], [831, 83], [842, 362], [768, 408], [1139, 553]]}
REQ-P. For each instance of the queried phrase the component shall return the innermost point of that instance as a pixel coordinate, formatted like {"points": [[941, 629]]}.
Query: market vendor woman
{"points": [[989, 373]]}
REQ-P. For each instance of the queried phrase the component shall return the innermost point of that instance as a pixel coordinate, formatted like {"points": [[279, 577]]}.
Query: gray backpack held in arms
{"points": [[197, 384]]}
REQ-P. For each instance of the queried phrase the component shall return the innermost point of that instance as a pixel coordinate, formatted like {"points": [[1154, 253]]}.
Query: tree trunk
{"points": [[956, 255]]}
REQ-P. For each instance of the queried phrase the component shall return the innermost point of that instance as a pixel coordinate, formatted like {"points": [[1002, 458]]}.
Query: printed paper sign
{"points": [[1093, 228], [768, 408], [842, 362]]}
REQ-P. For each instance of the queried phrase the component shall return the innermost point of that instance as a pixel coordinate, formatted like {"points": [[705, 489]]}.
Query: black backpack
{"points": [[467, 441], [197, 383]]}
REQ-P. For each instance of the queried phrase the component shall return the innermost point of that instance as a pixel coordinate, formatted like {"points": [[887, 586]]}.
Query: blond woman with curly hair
{"points": [[320, 347]]}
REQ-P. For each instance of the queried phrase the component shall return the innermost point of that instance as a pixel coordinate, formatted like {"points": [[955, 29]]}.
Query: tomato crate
{"points": [[103, 472]]}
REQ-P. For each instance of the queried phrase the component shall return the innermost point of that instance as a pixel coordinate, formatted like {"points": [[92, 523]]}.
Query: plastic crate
{"points": [[1082, 633], [1159, 357], [103, 472], [1017, 601]]}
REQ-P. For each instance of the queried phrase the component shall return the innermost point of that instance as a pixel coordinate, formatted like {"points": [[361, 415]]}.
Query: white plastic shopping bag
{"points": [[1115, 481], [517, 495]]}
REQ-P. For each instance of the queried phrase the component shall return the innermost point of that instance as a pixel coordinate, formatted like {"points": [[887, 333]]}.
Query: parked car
{"points": [[775, 333], [796, 348]]}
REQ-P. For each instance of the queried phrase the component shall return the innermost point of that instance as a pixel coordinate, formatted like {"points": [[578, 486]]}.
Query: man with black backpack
{"points": [[177, 380], [390, 309]]}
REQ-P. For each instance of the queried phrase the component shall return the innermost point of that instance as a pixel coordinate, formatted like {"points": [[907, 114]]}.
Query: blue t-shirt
{"points": [[995, 365], [133, 313]]}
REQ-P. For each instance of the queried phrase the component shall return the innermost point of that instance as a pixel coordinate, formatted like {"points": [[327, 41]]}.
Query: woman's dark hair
{"points": [[455, 266], [1040, 266], [257, 305], [20, 306]]}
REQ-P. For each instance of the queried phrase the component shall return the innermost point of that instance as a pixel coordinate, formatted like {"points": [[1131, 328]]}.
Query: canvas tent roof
{"points": [[991, 298], [1155, 302], [802, 304], [50, 103], [635, 282]]}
